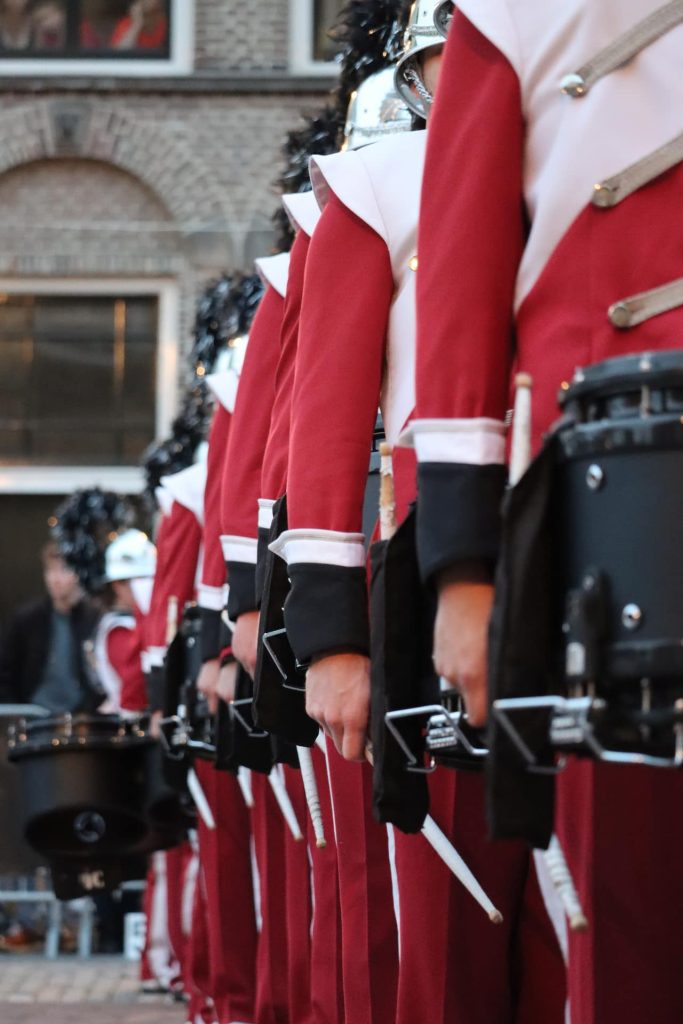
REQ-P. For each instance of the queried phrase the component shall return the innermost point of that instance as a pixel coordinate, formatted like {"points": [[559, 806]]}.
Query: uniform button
{"points": [[573, 85], [619, 315], [604, 195]]}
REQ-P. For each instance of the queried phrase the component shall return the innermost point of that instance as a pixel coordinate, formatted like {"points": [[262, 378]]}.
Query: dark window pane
{"points": [[78, 379], [324, 16], [122, 29]]}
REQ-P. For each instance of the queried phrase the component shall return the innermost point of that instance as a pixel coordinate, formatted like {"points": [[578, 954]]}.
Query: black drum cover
{"points": [[402, 616], [279, 703], [83, 785]]}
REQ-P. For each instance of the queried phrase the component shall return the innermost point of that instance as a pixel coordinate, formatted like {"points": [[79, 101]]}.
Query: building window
{"points": [[77, 379], [96, 36], [312, 51]]}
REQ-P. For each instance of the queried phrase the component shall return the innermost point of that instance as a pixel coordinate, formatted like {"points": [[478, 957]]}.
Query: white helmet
{"points": [[443, 15], [375, 111], [420, 35], [131, 556]]}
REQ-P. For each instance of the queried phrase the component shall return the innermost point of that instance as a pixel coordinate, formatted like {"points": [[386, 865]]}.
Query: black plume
{"points": [[225, 311], [85, 523], [320, 134], [368, 34]]}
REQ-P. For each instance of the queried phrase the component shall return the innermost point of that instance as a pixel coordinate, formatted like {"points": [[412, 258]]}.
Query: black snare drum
{"points": [[617, 551], [83, 783]]}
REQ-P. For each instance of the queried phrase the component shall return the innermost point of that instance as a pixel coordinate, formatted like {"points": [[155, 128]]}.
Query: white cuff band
{"points": [[473, 442], [239, 549], [321, 547]]}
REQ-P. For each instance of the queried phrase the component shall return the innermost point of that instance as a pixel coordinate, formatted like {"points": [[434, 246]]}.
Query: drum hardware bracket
{"points": [[570, 725]]}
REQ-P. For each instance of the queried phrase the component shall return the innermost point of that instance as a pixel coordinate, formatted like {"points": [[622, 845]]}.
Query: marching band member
{"points": [[224, 852], [366, 246], [130, 564], [238, 518], [550, 187]]}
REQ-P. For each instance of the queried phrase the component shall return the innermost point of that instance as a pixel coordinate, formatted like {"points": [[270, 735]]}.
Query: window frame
{"points": [[179, 62], [301, 29], [49, 479]]}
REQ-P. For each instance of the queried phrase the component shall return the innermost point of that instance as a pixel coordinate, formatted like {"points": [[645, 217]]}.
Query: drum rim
{"points": [[662, 368]]}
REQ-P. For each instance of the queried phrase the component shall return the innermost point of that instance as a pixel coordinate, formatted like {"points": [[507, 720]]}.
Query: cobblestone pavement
{"points": [[104, 990]]}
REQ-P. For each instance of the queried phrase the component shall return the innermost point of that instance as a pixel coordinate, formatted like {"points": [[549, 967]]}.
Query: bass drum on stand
{"points": [[83, 784]]}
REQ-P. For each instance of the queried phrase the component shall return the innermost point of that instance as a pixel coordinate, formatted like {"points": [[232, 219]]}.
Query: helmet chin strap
{"points": [[412, 76]]}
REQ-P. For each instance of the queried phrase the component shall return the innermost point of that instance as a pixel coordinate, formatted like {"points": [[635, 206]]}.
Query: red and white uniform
{"points": [[179, 540], [369, 962], [365, 247], [225, 873], [178, 545], [118, 659], [518, 260], [244, 455]]}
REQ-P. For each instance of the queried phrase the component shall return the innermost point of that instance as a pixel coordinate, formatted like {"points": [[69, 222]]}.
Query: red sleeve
{"points": [[471, 232], [213, 565], [347, 296], [274, 473], [241, 482], [178, 546], [471, 237], [124, 652]]}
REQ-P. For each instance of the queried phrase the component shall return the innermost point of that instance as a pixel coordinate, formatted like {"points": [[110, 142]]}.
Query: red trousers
{"points": [[456, 966], [327, 990], [272, 992], [621, 830], [369, 936], [226, 871], [299, 910]]}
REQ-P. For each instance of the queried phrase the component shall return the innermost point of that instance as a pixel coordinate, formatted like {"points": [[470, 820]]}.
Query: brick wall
{"points": [[242, 35]]}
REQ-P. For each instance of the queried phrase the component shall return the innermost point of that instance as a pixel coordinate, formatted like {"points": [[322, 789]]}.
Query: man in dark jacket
{"points": [[44, 658]]}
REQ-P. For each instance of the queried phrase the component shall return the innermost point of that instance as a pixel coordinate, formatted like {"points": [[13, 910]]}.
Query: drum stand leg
{"points": [[53, 929]]}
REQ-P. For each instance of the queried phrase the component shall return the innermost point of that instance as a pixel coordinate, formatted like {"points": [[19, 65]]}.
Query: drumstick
{"points": [[312, 795], [171, 619], [284, 803], [387, 495], [520, 446], [444, 849], [439, 842], [560, 876], [520, 457], [244, 782], [200, 801]]}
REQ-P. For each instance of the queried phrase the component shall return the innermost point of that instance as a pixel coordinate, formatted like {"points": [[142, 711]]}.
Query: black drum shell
{"points": [[88, 774], [618, 509]]}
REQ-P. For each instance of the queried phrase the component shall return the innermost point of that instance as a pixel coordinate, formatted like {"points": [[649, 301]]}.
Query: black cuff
{"points": [[261, 558], [458, 514], [156, 688], [242, 592], [327, 610], [210, 632]]}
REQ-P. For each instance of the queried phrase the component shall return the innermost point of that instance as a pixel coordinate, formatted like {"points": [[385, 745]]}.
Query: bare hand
{"points": [[461, 642], [226, 682], [155, 724], [245, 641], [207, 682], [338, 698]]}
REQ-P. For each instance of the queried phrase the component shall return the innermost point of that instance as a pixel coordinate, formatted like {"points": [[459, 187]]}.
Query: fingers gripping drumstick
{"points": [[312, 795], [439, 842], [520, 457]]}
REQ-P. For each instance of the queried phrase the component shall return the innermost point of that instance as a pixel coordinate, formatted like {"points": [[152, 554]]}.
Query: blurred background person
{"points": [[145, 27], [31, 26], [100, 18], [44, 653]]}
